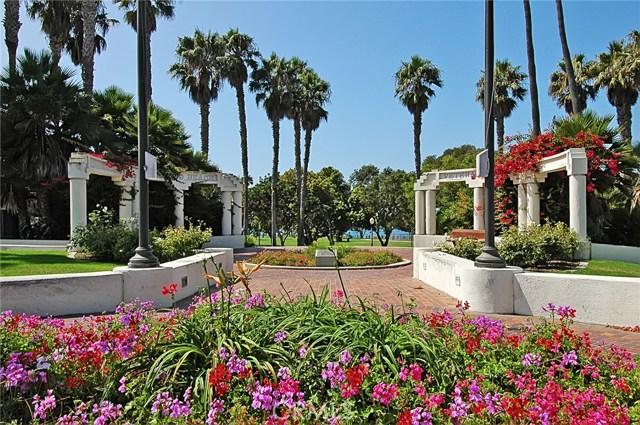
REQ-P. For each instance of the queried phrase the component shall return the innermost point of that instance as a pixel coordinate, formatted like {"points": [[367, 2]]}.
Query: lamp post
{"points": [[143, 257], [489, 256], [371, 222]]}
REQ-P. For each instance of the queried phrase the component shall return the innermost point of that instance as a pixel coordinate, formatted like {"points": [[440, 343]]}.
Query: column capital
{"points": [[78, 167], [576, 162]]}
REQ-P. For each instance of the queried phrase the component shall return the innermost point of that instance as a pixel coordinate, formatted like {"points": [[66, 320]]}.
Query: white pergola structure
{"points": [[425, 197], [82, 165]]}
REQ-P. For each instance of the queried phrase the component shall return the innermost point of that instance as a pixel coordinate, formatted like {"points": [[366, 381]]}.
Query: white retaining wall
{"points": [[629, 254], [33, 244], [85, 293], [233, 241]]}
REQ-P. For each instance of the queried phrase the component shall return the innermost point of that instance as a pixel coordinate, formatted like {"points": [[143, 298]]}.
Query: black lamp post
{"points": [[489, 256], [143, 257]]}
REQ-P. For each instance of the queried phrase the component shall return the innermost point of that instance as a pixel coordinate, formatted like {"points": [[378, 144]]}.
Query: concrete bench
{"points": [[325, 258]]}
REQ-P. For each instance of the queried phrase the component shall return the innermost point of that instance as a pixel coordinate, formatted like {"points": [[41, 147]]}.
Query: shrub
{"points": [[538, 245], [178, 242], [468, 248], [369, 258]]}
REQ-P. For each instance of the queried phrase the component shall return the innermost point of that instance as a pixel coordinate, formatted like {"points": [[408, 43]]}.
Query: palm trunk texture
{"points": [[623, 113], [303, 192], [204, 128], [12, 26], [573, 87], [531, 62], [242, 115], [89, 11], [417, 129], [298, 165], [275, 127], [500, 132]]}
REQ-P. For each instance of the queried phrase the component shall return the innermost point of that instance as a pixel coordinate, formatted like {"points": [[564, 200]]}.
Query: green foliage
{"points": [[173, 243], [284, 258], [468, 248], [538, 245], [369, 258]]}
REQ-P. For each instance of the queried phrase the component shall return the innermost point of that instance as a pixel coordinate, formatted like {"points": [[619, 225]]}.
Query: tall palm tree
{"points": [[241, 53], [559, 85], [12, 26], [55, 18], [566, 55], [508, 89], [531, 66], [272, 84], [618, 71], [316, 94], [415, 82], [89, 12], [156, 9], [198, 73]]}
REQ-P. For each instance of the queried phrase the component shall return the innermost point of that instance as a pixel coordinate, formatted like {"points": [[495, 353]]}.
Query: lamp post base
{"points": [[489, 258], [143, 259]]}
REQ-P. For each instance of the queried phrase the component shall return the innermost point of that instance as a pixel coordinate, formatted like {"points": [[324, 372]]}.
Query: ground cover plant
{"points": [[347, 256], [25, 263], [237, 357]]}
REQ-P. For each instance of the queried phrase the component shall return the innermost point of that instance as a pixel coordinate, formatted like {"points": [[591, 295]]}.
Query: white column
{"points": [[127, 201], [226, 213], [578, 204], [179, 208], [430, 212], [533, 204], [478, 208], [237, 210], [419, 213], [78, 201], [522, 206]]}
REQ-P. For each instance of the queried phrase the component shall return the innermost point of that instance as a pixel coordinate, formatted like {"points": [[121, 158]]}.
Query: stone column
{"points": [[78, 201], [226, 213], [126, 209], [430, 212], [419, 213], [478, 208], [578, 204], [179, 189], [237, 213], [533, 204], [522, 206]]}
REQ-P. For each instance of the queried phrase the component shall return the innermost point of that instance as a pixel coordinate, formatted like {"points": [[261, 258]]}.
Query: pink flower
{"points": [[385, 393]]}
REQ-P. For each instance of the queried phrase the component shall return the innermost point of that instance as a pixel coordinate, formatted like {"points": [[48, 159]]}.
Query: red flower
{"points": [[219, 379], [404, 418], [171, 289]]}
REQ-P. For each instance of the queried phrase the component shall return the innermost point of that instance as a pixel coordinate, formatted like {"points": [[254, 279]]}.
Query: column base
{"points": [[489, 258], [143, 259]]}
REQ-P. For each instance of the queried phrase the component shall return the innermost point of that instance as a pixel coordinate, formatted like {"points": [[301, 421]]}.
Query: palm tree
{"points": [[240, 53], [155, 9], [508, 88], [559, 85], [573, 85], [12, 26], [415, 81], [531, 66], [316, 94], [55, 18], [197, 72], [618, 70]]}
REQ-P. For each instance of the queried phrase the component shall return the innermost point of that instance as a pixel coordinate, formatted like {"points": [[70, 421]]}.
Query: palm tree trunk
{"points": [[533, 84], [204, 128], [573, 87], [275, 127], [242, 115], [303, 191], [417, 129], [56, 44], [12, 26], [500, 132], [147, 56], [296, 149], [89, 11], [623, 112]]}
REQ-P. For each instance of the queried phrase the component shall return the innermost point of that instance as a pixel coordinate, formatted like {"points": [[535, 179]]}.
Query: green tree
{"points": [[573, 85], [531, 66], [198, 73], [327, 205], [559, 85], [155, 9], [508, 89], [55, 20], [415, 82], [12, 26]]}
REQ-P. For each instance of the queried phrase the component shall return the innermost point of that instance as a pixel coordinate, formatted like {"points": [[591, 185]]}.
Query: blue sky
{"points": [[357, 46]]}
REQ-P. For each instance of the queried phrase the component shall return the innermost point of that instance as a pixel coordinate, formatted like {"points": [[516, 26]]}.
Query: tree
{"points": [[415, 82], [328, 205], [155, 9], [573, 86], [315, 95], [198, 73], [531, 66], [240, 54], [618, 70], [559, 85], [55, 19], [272, 84], [12, 26], [508, 89]]}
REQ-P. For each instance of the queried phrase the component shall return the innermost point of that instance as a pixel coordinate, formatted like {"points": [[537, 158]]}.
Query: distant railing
{"points": [[405, 238]]}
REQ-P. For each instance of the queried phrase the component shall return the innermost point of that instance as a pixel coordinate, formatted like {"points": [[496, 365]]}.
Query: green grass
{"points": [[324, 242], [609, 268], [25, 263]]}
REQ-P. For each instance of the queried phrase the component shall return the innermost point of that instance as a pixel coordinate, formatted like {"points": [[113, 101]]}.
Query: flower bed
{"points": [[244, 358], [347, 257]]}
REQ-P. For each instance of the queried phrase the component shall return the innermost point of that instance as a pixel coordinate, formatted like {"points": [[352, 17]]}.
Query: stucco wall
{"points": [[629, 254]]}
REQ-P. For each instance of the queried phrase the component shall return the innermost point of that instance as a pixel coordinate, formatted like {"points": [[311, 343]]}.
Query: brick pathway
{"points": [[384, 286]]}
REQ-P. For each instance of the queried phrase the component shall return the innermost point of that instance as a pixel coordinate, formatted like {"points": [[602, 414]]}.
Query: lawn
{"points": [[25, 263], [609, 268], [324, 242]]}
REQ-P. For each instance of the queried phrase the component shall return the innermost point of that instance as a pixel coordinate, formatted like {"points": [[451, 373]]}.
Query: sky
{"points": [[357, 46]]}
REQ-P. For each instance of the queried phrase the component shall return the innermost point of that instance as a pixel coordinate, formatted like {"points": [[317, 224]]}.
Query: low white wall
{"points": [[597, 299], [85, 293], [629, 254], [235, 241], [33, 244], [427, 241]]}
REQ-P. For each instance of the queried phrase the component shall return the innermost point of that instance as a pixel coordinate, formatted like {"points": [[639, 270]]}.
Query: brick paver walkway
{"points": [[384, 286]]}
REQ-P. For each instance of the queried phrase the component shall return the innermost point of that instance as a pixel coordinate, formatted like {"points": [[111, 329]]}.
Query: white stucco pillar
{"points": [[578, 204], [237, 213], [478, 208], [226, 213], [78, 201], [533, 204], [522, 206], [430, 212], [419, 212], [178, 210], [126, 208]]}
